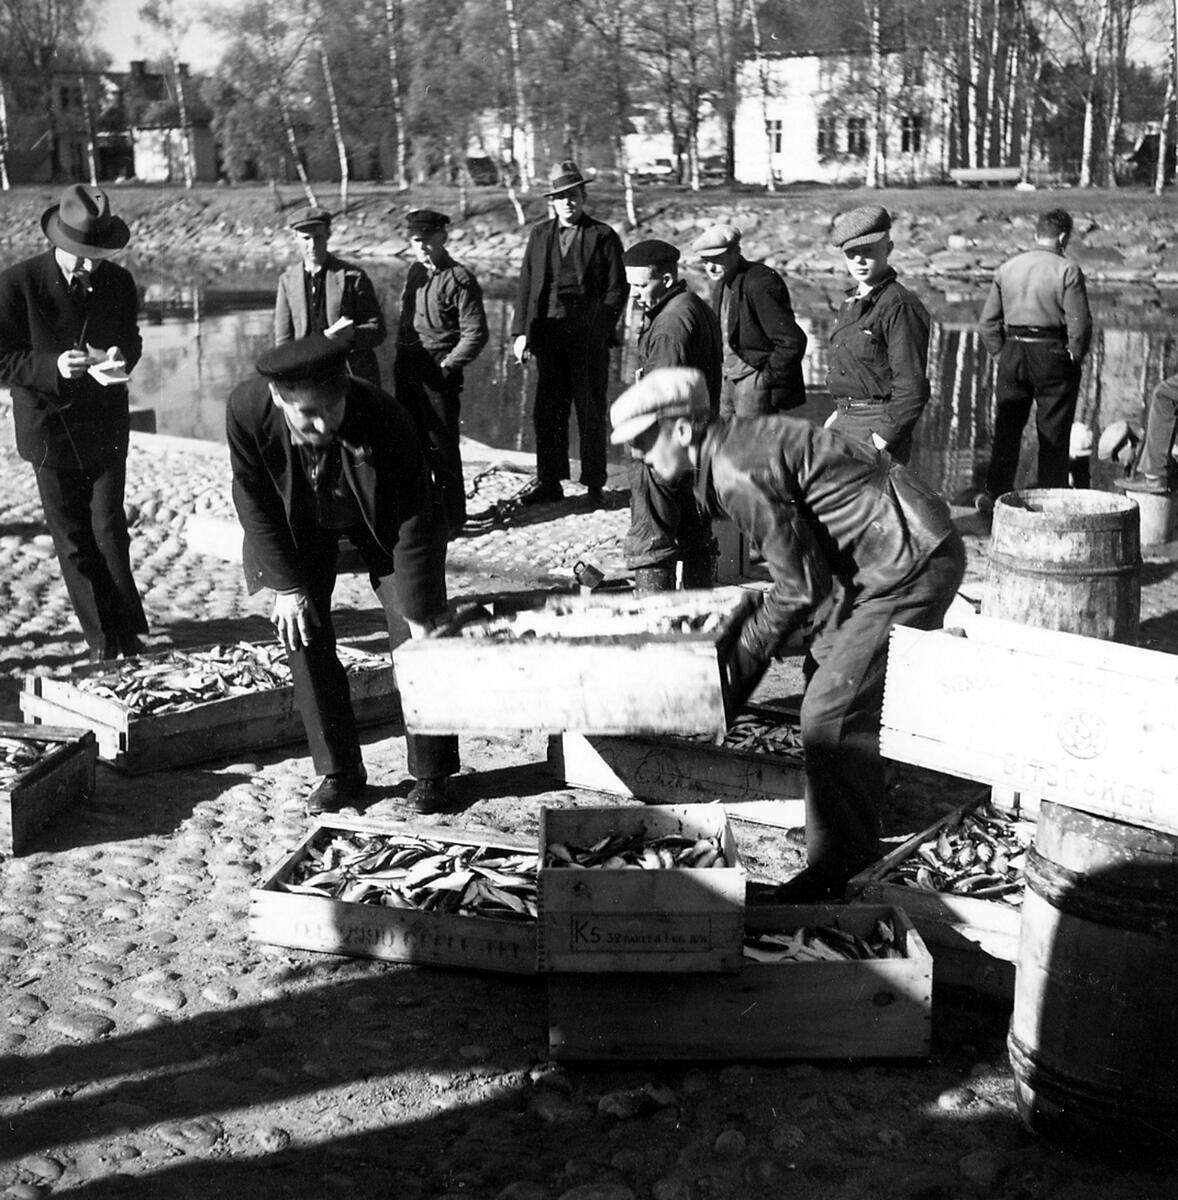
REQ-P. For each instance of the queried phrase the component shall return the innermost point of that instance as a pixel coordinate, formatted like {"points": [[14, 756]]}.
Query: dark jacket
{"points": [[682, 331], [599, 268], [66, 423], [442, 311], [382, 462], [764, 332], [820, 506]]}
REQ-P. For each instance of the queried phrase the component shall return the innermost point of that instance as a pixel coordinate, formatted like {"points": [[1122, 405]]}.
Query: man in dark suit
{"points": [[69, 335], [572, 289], [317, 454], [324, 294]]}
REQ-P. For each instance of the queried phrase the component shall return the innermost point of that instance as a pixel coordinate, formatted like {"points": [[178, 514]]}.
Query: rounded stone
{"points": [[41, 1166], [82, 1027], [729, 1143]]}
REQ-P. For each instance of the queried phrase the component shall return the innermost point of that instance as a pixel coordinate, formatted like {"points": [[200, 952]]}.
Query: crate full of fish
{"points": [[42, 771], [597, 664], [657, 888], [404, 892], [815, 981], [185, 706], [961, 881]]}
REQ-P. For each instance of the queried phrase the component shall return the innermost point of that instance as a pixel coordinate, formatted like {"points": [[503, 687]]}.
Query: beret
{"points": [[313, 359], [860, 227], [425, 220], [665, 392], [715, 241], [653, 252], [305, 217], [1118, 443]]}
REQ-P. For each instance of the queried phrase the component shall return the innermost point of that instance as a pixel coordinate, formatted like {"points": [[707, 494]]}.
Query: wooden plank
{"points": [[1075, 720], [62, 778], [874, 1009]]}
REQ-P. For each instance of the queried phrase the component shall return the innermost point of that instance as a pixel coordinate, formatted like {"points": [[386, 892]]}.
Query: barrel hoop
{"points": [[1078, 895], [1082, 572]]}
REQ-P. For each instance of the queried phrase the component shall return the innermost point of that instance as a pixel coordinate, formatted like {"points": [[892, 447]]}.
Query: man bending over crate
{"points": [[822, 507], [317, 454]]}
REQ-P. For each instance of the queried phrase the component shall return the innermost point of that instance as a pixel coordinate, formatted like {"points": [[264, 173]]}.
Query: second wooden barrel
{"points": [[1066, 559]]}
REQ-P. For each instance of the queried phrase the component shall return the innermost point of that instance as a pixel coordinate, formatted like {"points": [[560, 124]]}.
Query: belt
{"points": [[847, 402], [1036, 333]]}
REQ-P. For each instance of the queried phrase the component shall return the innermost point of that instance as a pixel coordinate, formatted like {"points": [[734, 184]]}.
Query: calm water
{"points": [[190, 366]]}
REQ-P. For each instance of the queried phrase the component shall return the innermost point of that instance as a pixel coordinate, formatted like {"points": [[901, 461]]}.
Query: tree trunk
{"points": [[1159, 171], [91, 138], [1089, 138], [520, 148], [876, 167], [188, 169], [337, 127], [989, 115], [392, 20], [763, 77], [4, 181], [1030, 90]]}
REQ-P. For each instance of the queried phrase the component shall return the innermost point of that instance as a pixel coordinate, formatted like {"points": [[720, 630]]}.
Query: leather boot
{"points": [[654, 579], [701, 572]]}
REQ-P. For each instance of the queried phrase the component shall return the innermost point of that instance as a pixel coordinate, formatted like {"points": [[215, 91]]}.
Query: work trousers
{"points": [[1039, 371], [859, 419], [572, 369], [1161, 423], [666, 522], [411, 585], [843, 703], [84, 512]]}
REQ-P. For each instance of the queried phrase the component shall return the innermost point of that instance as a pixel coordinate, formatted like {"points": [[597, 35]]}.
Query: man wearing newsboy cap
{"points": [[878, 354], [318, 454], [822, 507], [69, 336]]}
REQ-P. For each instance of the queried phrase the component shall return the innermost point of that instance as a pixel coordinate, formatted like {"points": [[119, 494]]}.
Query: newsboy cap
{"points": [[313, 359], [304, 218], [652, 252], [564, 177], [426, 220], [714, 242], [860, 227], [666, 392]]}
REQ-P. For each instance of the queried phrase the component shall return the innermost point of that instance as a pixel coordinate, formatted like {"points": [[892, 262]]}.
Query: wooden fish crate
{"points": [[877, 1008], [401, 935], [64, 776], [136, 743], [597, 664], [601, 919], [974, 941]]}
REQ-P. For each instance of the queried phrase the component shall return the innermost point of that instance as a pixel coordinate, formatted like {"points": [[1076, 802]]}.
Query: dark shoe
{"points": [[700, 572], [130, 645], [540, 493], [337, 791], [596, 497], [431, 796], [815, 884], [1153, 485]]}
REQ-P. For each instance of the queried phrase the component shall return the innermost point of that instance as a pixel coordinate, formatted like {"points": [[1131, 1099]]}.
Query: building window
{"points": [[827, 136], [774, 130], [857, 136], [911, 133]]}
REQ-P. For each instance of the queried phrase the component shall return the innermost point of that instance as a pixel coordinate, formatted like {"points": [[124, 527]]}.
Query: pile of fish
{"points": [[182, 678], [617, 850], [982, 855], [18, 755], [759, 734], [822, 943], [406, 871], [605, 622]]}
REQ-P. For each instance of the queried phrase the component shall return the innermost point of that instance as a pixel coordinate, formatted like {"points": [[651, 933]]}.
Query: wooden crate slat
{"points": [[63, 778]]}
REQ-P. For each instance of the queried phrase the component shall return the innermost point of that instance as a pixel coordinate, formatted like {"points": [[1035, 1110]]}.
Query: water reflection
{"points": [[189, 367]]}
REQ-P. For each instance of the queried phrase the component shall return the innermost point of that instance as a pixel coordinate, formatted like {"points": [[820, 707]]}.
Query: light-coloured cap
{"points": [[718, 240], [666, 392]]}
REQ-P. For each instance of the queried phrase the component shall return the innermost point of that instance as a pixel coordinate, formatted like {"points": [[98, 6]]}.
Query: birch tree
{"points": [[393, 19], [171, 24]]}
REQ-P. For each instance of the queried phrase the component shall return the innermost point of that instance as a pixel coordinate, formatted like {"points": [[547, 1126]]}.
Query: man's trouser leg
{"points": [[750, 400], [553, 403], [1013, 394], [1057, 384], [109, 522], [590, 382], [1161, 422]]}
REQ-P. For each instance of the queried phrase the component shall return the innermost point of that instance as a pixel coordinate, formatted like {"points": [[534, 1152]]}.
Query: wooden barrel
{"points": [[1067, 559], [1094, 1035]]}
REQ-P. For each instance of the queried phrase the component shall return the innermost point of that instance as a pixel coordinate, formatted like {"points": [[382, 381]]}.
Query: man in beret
{"points": [[317, 454], [441, 330], [1036, 322], [69, 336], [763, 342], [878, 356], [323, 294], [572, 289], [821, 506], [678, 329]]}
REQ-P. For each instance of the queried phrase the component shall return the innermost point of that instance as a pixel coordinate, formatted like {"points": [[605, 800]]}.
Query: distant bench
{"points": [[976, 175]]}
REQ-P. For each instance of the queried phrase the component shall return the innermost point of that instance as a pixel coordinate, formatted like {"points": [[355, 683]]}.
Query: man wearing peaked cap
{"points": [[323, 294], [678, 329], [572, 289], [441, 330], [763, 342], [318, 454], [822, 508], [878, 354], [69, 336]]}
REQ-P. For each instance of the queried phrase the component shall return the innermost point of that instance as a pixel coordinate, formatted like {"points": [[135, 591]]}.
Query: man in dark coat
{"points": [[572, 289], [821, 506], [323, 294], [69, 335], [763, 342], [316, 454], [678, 330]]}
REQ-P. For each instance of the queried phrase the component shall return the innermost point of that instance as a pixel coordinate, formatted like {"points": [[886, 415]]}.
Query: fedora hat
{"points": [[564, 177], [82, 223]]}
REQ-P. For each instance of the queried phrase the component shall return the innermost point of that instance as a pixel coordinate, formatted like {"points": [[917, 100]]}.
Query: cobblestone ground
{"points": [[149, 1049]]}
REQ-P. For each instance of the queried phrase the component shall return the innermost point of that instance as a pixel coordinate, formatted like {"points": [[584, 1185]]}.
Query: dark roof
{"points": [[798, 28]]}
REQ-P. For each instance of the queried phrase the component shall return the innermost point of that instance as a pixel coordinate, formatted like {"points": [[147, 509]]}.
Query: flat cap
{"points": [[666, 392], [860, 227], [1118, 444], [714, 242], [313, 359], [425, 220], [653, 252], [304, 218]]}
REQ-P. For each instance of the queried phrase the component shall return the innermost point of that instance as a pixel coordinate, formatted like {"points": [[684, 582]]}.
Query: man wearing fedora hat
{"points": [[69, 336], [572, 290], [323, 294]]}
